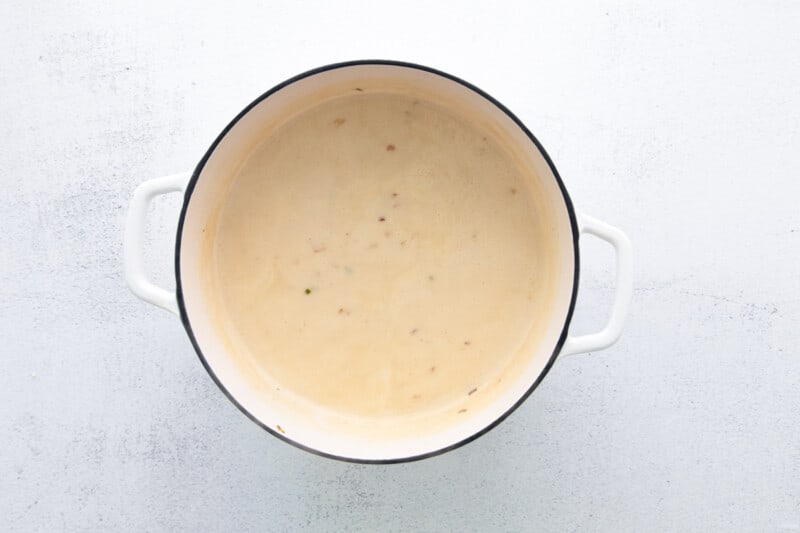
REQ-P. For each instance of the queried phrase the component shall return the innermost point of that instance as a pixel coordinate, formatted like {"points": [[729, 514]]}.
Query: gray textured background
{"points": [[680, 124]]}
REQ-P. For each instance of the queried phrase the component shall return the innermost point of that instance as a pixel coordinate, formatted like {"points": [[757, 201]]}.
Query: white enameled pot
{"points": [[203, 189]]}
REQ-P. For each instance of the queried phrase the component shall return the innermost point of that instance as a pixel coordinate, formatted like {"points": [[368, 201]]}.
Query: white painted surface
{"points": [[680, 124]]}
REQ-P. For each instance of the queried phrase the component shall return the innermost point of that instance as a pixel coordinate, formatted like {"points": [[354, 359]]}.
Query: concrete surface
{"points": [[679, 123]]}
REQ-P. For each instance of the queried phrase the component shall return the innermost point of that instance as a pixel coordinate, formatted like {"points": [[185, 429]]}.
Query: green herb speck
{"points": [[308, 291]]}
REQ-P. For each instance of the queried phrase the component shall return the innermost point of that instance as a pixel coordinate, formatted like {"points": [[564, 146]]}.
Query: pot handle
{"points": [[622, 245], [134, 231]]}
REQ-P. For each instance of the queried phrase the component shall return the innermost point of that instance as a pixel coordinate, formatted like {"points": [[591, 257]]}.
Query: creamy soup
{"points": [[378, 256]]}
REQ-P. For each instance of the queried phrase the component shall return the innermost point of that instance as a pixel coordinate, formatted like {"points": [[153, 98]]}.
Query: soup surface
{"points": [[378, 256]]}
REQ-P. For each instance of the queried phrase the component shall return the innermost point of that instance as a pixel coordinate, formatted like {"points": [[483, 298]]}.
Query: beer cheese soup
{"points": [[378, 257]]}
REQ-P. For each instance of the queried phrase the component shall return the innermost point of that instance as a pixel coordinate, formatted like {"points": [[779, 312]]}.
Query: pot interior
{"points": [[376, 262]]}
